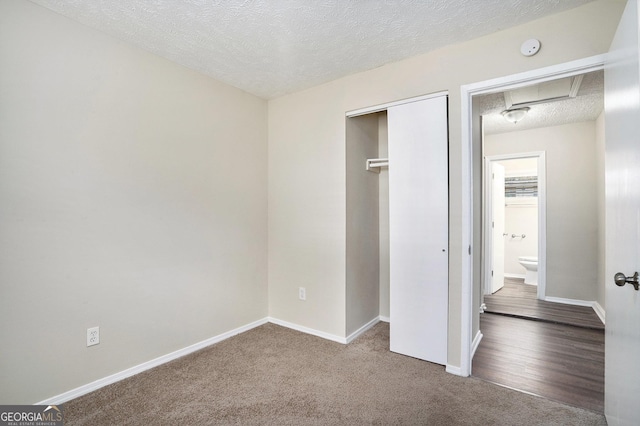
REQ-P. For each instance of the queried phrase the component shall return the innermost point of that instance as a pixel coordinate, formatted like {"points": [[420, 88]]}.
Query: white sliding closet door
{"points": [[418, 226]]}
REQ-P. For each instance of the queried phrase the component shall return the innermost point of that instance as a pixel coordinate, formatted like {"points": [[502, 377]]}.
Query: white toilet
{"points": [[530, 263]]}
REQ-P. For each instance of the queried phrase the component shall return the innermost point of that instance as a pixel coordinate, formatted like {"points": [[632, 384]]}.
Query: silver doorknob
{"points": [[621, 279]]}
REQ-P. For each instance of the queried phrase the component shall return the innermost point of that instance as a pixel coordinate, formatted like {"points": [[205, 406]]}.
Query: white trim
{"points": [[574, 302], [487, 228], [358, 332], [476, 343], [510, 275], [568, 69], [385, 106], [542, 225], [452, 369], [95, 385], [385, 319], [308, 330], [540, 75], [600, 312], [466, 291]]}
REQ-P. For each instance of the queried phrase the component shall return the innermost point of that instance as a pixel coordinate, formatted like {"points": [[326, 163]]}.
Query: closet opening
{"points": [[397, 224], [367, 220]]}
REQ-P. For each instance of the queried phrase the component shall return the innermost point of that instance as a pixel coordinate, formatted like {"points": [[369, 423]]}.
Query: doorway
{"points": [[562, 127], [480, 282], [470, 335], [514, 220]]}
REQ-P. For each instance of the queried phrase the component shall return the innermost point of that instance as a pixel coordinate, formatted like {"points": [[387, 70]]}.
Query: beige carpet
{"points": [[273, 375]]}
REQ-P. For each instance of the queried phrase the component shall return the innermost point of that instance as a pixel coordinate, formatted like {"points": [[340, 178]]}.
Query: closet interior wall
{"points": [[367, 262]]}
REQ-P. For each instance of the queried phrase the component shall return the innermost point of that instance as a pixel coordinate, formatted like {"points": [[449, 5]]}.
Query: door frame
{"points": [[542, 216], [467, 308]]}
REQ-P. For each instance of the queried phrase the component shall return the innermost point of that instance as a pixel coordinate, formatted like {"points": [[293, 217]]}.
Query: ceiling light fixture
{"points": [[515, 115]]}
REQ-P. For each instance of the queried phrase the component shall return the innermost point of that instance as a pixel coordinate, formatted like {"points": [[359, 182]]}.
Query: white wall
{"points": [[572, 225], [132, 197], [519, 220], [521, 217], [307, 188]]}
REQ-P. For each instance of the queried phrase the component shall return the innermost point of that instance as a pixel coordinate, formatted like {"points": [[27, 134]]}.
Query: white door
{"points": [[497, 219], [622, 183], [418, 229]]}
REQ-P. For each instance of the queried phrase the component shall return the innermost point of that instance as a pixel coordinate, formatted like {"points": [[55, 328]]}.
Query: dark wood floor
{"points": [[545, 348], [560, 362], [520, 300]]}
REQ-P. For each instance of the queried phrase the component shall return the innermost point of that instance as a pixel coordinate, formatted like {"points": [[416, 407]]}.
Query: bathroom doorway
{"points": [[514, 222]]}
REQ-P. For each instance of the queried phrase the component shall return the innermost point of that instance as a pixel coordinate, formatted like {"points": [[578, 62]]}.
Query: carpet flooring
{"points": [[272, 375]]}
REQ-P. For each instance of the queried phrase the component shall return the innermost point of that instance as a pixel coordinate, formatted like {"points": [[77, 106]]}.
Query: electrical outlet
{"points": [[302, 293], [93, 336]]}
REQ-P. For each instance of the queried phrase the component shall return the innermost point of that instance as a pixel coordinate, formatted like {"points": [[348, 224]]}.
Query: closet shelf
{"points": [[374, 164]]}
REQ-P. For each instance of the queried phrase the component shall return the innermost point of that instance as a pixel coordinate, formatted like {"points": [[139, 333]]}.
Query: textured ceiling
{"points": [[273, 47], [586, 106]]}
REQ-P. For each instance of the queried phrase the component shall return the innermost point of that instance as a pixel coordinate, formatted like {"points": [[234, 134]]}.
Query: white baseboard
{"points": [[353, 336], [591, 304], [474, 346], [575, 302], [599, 310], [508, 275], [308, 330], [95, 385], [90, 387], [452, 369], [385, 319], [475, 343]]}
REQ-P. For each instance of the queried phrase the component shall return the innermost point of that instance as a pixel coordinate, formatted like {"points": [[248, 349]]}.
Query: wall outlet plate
{"points": [[302, 293], [93, 336]]}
